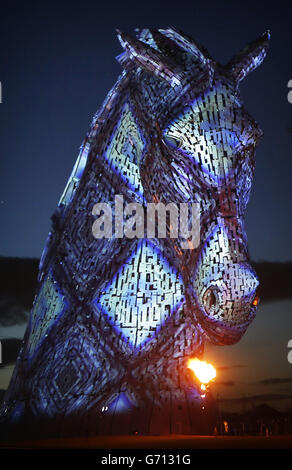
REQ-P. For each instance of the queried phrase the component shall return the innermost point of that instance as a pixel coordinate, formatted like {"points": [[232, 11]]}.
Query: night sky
{"points": [[57, 63]]}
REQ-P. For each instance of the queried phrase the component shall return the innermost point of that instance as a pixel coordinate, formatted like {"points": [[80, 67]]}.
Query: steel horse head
{"points": [[200, 148], [116, 318]]}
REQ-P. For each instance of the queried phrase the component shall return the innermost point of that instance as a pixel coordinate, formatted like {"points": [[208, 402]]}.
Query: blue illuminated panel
{"points": [[142, 295]]}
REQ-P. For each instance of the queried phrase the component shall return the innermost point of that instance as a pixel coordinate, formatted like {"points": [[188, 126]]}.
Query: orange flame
{"points": [[203, 371]]}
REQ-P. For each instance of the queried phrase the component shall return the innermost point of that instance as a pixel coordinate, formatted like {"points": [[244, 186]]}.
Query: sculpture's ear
{"points": [[145, 56], [249, 58], [187, 44]]}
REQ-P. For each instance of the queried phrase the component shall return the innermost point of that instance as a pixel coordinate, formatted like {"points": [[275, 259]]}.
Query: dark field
{"points": [[158, 442]]}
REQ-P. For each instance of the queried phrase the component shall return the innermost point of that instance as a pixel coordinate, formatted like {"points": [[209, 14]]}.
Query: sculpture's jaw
{"points": [[217, 329], [218, 332]]}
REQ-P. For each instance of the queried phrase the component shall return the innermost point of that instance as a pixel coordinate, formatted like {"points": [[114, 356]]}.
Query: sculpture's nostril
{"points": [[210, 300]]}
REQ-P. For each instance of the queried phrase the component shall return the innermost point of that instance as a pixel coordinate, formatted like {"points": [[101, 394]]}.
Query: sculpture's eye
{"points": [[172, 141]]}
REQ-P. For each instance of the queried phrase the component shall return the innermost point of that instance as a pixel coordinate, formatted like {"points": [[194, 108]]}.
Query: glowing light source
{"points": [[255, 301], [203, 371]]}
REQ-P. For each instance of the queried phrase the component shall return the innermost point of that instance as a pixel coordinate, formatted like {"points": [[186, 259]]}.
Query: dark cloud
{"points": [[275, 280], [273, 381], [17, 287], [18, 279], [2, 393], [10, 350], [236, 366], [228, 383], [11, 312], [252, 399]]}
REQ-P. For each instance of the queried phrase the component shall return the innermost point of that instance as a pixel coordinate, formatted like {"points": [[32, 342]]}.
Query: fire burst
{"points": [[203, 371]]}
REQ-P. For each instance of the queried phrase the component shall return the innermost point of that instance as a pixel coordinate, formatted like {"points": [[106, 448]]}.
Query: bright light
{"points": [[204, 372]]}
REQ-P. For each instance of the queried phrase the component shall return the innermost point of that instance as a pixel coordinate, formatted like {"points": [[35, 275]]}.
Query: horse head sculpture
{"points": [[201, 146], [115, 318]]}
